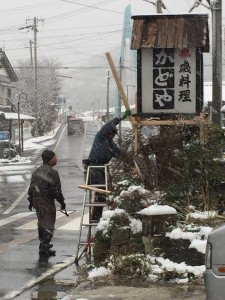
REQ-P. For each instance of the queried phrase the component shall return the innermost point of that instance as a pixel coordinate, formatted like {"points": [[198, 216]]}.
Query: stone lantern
{"points": [[154, 220]]}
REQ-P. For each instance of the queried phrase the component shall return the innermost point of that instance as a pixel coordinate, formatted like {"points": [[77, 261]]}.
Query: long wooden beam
{"points": [[94, 189], [123, 97], [119, 85]]}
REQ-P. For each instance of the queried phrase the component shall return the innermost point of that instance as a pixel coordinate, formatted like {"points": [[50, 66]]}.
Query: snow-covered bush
{"points": [[131, 265], [134, 199], [151, 268], [117, 232]]}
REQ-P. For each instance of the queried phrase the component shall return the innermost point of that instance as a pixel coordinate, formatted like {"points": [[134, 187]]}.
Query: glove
{"points": [[63, 206], [126, 114], [30, 206]]}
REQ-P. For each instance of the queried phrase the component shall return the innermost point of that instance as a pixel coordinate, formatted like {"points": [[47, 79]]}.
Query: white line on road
{"points": [[22, 195], [33, 224], [16, 202], [75, 224], [54, 270], [14, 218]]}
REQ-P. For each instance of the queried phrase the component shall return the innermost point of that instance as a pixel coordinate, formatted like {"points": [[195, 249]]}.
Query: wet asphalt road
{"points": [[20, 267]]}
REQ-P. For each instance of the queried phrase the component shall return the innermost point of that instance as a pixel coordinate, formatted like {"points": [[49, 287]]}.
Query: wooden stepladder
{"points": [[85, 246]]}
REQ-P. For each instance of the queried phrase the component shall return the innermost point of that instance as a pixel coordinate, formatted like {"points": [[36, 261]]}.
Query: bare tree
{"points": [[48, 89]]}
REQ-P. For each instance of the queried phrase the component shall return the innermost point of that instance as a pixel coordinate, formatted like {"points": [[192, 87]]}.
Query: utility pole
{"points": [[107, 98], [98, 106], [31, 55], [34, 28], [35, 58], [159, 6], [119, 104], [216, 8]]}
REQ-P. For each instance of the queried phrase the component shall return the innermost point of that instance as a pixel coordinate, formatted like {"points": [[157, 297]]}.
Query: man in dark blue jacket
{"points": [[104, 148], [102, 151]]}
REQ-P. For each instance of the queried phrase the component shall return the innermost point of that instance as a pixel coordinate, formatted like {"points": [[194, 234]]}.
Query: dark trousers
{"points": [[97, 176]]}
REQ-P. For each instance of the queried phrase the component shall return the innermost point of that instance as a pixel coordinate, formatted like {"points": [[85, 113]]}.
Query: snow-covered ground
{"points": [[34, 145]]}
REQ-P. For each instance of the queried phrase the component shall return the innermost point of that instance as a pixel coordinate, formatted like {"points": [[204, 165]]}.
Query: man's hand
{"points": [[30, 206], [126, 114], [63, 206]]}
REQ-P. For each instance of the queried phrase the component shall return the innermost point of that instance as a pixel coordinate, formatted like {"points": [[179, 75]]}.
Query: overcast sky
{"points": [[76, 33]]}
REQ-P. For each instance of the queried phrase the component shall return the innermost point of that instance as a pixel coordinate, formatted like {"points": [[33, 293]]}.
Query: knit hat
{"points": [[47, 155]]}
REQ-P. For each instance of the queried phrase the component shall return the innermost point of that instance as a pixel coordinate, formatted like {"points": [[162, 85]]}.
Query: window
{"points": [[9, 94]]}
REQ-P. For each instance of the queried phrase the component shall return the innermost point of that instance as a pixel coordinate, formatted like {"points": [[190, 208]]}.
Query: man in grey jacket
{"points": [[45, 188]]}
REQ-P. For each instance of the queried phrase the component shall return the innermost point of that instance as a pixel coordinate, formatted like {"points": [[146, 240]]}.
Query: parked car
{"points": [[75, 126], [215, 264], [7, 149]]}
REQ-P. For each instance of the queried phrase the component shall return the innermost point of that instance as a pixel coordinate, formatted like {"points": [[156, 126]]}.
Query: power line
{"points": [[92, 6], [71, 67], [60, 36], [82, 10], [18, 8], [62, 16]]}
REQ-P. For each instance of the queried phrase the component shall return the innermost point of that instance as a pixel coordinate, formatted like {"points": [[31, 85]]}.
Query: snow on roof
{"points": [[14, 116], [156, 210]]}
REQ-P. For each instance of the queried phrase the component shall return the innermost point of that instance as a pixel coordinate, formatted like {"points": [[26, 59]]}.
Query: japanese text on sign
{"points": [[169, 80]]}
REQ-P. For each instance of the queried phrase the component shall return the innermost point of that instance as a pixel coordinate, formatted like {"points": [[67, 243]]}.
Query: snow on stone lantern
{"points": [[154, 220]]}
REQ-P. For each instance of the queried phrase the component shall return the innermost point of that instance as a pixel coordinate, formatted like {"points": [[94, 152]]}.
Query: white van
{"points": [[215, 265]]}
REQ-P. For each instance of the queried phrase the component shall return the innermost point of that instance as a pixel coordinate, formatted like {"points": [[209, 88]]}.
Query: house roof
{"points": [[170, 31], [14, 116], [5, 62]]}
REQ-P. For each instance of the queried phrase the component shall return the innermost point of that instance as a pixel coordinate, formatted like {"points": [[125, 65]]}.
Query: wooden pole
{"points": [[118, 82], [124, 98]]}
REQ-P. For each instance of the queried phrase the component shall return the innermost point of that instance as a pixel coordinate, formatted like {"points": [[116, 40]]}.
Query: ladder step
{"points": [[85, 243], [98, 185], [89, 224], [96, 204]]}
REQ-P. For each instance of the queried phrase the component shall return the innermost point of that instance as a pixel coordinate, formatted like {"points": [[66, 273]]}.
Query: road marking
{"points": [[75, 224], [12, 169], [15, 179], [17, 242], [34, 281], [59, 139], [16, 202], [33, 224], [14, 218]]}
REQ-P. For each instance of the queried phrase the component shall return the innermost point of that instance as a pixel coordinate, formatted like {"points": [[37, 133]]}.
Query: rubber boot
{"points": [[44, 249], [40, 235]]}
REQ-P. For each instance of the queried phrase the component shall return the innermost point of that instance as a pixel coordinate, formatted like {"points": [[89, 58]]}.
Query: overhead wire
{"points": [[62, 16], [61, 36], [68, 41], [18, 8], [81, 10]]}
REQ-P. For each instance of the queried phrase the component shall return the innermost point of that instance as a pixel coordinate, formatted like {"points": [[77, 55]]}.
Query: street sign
{"points": [[4, 135]]}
